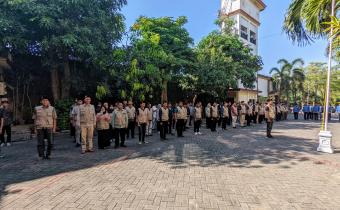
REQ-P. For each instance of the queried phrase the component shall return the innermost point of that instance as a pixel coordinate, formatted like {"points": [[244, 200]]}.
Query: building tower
{"points": [[246, 15]]}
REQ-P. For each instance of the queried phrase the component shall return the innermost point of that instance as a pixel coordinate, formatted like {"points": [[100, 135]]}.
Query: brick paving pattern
{"points": [[235, 169]]}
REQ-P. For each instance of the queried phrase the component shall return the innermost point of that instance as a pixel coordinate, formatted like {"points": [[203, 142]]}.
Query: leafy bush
{"points": [[63, 112]]}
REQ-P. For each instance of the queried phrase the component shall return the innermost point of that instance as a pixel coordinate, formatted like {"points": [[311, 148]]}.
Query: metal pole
{"points": [[329, 70]]}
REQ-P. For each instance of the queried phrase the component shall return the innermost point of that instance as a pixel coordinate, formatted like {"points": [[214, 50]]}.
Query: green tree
{"points": [[60, 31], [161, 50], [222, 61], [288, 78]]}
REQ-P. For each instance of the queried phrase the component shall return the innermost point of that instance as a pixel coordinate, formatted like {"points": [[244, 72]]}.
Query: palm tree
{"points": [[289, 78], [305, 19]]}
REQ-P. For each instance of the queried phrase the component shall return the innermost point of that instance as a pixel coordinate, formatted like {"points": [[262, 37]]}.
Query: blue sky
{"points": [[273, 44]]}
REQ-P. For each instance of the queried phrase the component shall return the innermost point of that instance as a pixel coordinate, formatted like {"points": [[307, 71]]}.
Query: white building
{"points": [[246, 15]]}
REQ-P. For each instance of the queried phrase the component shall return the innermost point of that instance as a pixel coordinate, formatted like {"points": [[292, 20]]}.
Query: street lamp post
{"points": [[325, 136]]}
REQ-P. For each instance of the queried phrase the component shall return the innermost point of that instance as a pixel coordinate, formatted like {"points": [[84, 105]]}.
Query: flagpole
{"points": [[325, 136]]}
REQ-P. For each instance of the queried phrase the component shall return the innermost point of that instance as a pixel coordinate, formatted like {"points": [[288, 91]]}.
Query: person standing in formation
{"points": [[187, 116], [337, 110], [261, 113], [180, 116], [214, 117], [234, 114], [171, 117], [256, 109], [164, 119], [7, 116], [87, 118], [76, 122], [305, 110], [103, 127], [249, 115], [243, 113], [142, 122], [208, 115], [131, 111], [316, 111], [296, 110], [270, 116], [45, 122], [198, 118], [149, 124], [120, 124], [225, 115]]}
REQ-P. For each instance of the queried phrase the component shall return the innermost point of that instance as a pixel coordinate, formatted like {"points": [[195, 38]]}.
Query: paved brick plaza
{"points": [[237, 169]]}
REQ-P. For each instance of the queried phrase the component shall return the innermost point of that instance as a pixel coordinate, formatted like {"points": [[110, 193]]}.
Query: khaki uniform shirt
{"points": [[103, 121], [149, 114], [44, 117], [143, 115], [198, 113], [165, 115], [214, 112], [181, 113], [119, 119], [225, 111], [243, 109], [87, 115], [270, 113], [131, 112]]}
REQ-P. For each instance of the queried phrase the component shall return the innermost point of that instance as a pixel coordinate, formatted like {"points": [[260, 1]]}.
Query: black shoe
{"points": [[123, 145], [47, 157], [77, 145], [116, 146]]}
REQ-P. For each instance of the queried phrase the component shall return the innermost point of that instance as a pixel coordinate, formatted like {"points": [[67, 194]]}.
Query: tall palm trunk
{"points": [[164, 94]]}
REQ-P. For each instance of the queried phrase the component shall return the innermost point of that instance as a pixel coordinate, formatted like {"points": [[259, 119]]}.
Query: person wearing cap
{"points": [[6, 114], [120, 124], [270, 116], [131, 111], [45, 121], [87, 119]]}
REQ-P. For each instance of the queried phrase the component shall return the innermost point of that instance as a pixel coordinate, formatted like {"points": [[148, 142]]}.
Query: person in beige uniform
{"points": [[131, 111], [225, 115], [261, 113], [149, 125], [234, 114], [87, 119], [208, 115], [142, 122], [214, 116], [270, 115], [180, 116], [198, 118], [243, 113], [103, 127], [120, 124], [45, 121], [164, 120]]}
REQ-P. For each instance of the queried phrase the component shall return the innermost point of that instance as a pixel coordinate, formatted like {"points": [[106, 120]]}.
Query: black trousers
{"points": [[72, 131], [224, 122], [164, 129], [248, 119], [8, 130], [179, 127], [142, 132], [261, 118], [103, 138], [197, 125], [131, 128], [190, 120], [208, 120], [213, 124], [316, 116], [310, 115], [305, 115], [120, 135], [269, 128], [170, 126], [42, 134], [296, 115], [255, 117]]}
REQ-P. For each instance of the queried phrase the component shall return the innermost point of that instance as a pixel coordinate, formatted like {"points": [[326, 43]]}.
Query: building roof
{"points": [[264, 76], [260, 4]]}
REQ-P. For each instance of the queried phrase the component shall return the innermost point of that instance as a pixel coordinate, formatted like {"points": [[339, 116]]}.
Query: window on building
{"points": [[244, 32], [253, 37]]}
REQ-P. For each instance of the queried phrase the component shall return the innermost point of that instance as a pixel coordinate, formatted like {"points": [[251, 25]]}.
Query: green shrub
{"points": [[63, 111]]}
